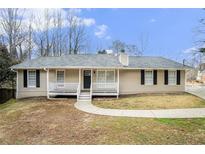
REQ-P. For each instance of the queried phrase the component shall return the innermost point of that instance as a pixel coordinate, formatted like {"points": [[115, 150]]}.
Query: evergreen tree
{"points": [[7, 76]]}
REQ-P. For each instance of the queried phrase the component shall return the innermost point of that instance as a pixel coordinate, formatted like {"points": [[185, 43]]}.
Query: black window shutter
{"points": [[142, 77], [37, 78], [178, 77], [24, 78], [165, 77], [155, 77]]}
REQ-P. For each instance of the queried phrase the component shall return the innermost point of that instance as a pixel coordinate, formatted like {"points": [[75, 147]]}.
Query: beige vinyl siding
{"points": [[31, 92], [130, 83]]}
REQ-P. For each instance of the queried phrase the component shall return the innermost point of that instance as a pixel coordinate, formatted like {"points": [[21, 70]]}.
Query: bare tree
{"points": [[2, 39], [76, 34], [50, 37], [57, 34], [11, 23], [28, 44], [42, 35], [199, 42], [29, 40], [47, 32], [133, 50], [143, 43], [118, 46]]}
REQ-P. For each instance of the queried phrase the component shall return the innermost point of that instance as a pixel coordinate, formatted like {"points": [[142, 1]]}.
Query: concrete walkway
{"points": [[199, 91], [196, 90], [87, 106]]}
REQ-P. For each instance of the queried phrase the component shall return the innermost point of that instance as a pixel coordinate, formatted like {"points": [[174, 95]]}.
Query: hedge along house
{"points": [[85, 76]]}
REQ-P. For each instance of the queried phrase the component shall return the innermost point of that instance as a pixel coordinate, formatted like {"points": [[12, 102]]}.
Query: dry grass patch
{"points": [[42, 121], [152, 101]]}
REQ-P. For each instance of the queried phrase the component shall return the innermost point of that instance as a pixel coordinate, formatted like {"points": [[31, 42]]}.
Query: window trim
{"points": [[173, 84], [99, 70], [145, 78], [29, 86], [59, 70]]}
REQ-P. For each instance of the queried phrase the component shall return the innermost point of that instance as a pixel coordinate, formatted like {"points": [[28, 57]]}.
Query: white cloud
{"points": [[101, 31], [152, 20], [88, 21], [75, 10], [38, 17]]}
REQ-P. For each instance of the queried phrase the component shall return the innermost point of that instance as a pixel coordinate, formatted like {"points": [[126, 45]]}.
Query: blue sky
{"points": [[170, 31]]}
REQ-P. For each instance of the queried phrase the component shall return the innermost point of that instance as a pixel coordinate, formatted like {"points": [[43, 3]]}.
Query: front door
{"points": [[87, 79]]}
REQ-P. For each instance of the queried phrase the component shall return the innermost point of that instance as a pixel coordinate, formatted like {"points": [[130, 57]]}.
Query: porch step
{"points": [[84, 96]]}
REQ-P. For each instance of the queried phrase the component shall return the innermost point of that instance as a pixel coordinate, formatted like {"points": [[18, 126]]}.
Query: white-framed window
{"points": [[110, 76], [149, 77], [31, 78], [105, 76], [60, 76], [172, 77], [101, 78]]}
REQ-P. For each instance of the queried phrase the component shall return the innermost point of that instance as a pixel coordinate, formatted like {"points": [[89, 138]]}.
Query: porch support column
{"points": [[118, 83], [91, 84], [47, 76], [79, 78]]}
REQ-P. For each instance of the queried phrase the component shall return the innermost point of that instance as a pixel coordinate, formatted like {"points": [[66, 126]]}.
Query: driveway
{"points": [[198, 90]]}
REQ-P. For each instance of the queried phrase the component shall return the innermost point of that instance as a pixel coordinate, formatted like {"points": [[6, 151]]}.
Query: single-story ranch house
{"points": [[90, 75]]}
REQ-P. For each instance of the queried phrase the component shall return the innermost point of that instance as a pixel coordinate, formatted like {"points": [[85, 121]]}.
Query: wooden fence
{"points": [[6, 94]]}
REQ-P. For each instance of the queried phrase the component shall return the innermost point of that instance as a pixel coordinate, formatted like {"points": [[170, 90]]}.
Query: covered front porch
{"points": [[74, 82]]}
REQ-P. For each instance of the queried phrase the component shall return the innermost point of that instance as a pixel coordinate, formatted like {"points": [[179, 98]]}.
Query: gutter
{"points": [[124, 68]]}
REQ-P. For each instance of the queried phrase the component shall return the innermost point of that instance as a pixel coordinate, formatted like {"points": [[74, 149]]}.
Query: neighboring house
{"points": [[95, 75]]}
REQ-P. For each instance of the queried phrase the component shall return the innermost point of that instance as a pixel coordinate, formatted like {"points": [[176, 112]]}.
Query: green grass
{"points": [[189, 124], [150, 131], [7, 104]]}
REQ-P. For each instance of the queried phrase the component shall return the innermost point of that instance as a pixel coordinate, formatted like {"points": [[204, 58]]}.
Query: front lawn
{"points": [[152, 101], [42, 121]]}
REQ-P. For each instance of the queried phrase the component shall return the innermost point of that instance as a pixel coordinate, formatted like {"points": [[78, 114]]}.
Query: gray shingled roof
{"points": [[99, 61], [88, 60], [154, 62]]}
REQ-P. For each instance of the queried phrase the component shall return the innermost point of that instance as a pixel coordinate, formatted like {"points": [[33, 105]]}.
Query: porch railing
{"points": [[104, 87], [63, 87]]}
